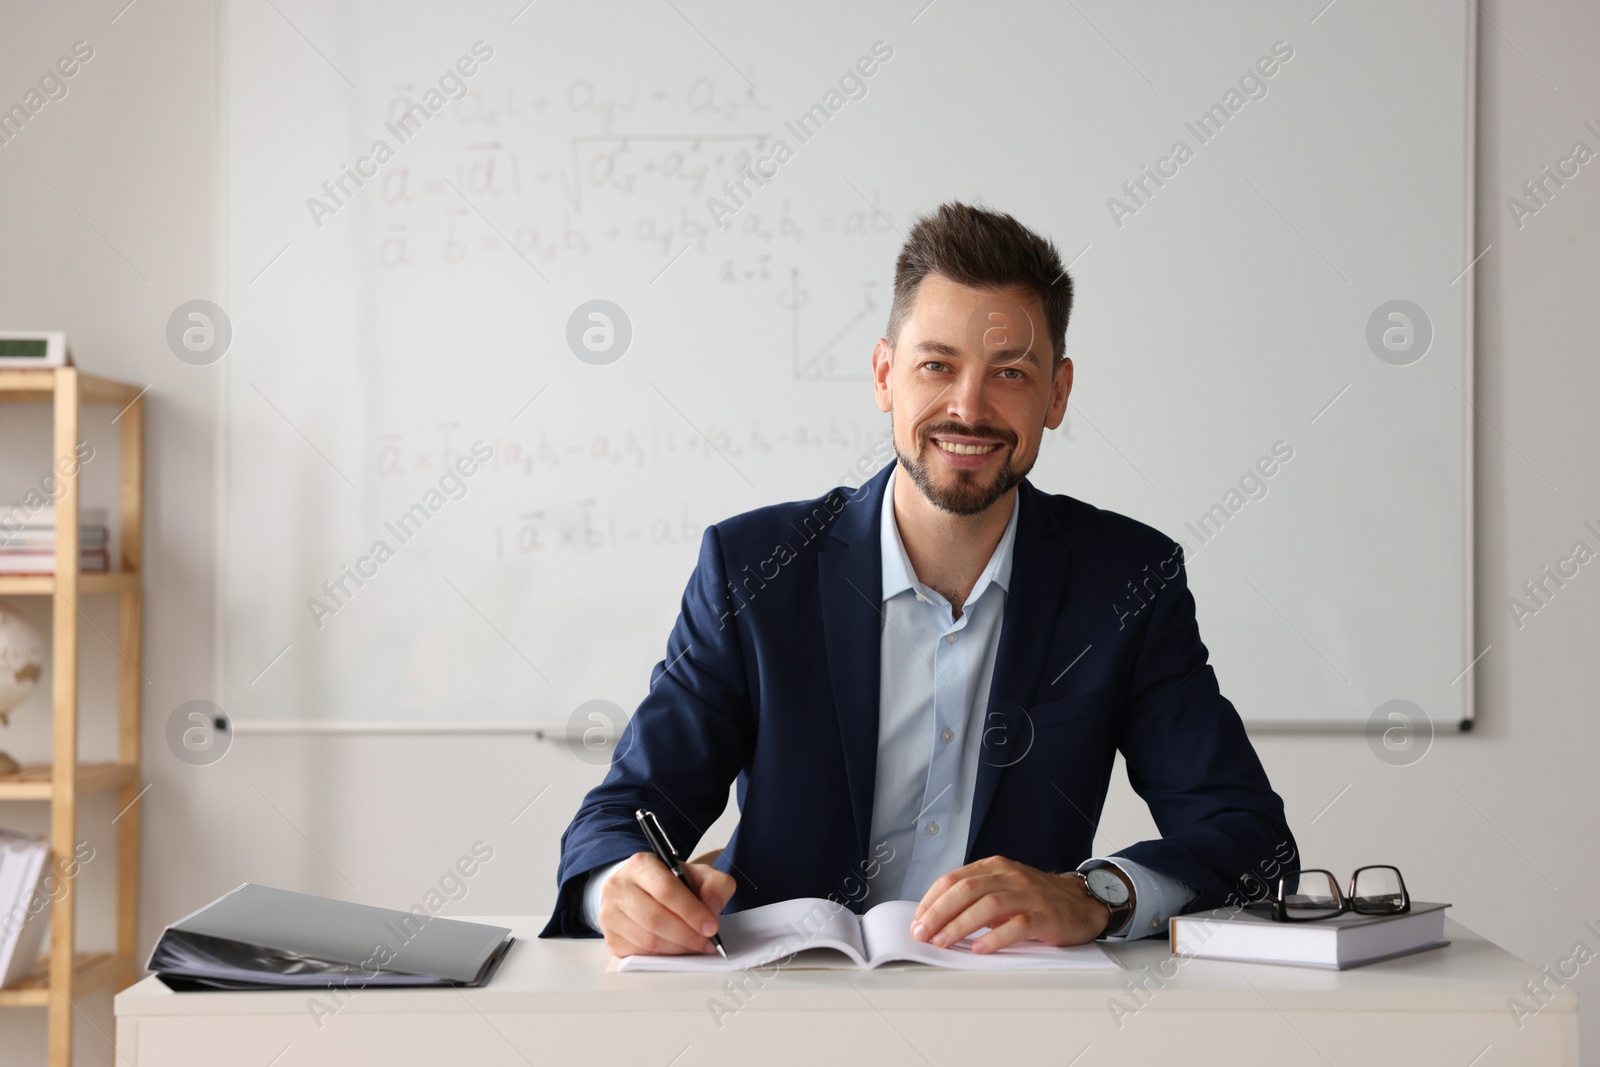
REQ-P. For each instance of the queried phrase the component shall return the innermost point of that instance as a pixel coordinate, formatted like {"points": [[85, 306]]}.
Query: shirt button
{"points": [[933, 828], [921, 599], [948, 736], [951, 638]]}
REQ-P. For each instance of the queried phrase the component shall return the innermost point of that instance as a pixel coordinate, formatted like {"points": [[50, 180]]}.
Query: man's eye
{"points": [[1014, 372], [934, 365]]}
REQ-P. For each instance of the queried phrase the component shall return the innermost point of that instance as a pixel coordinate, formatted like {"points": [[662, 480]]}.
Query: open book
{"points": [[772, 932]]}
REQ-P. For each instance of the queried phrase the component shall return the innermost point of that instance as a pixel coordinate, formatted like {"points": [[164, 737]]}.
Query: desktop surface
{"points": [[1434, 1004]]}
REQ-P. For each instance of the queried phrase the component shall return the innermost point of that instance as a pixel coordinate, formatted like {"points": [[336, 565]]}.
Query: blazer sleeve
{"points": [[1188, 757], [680, 751]]}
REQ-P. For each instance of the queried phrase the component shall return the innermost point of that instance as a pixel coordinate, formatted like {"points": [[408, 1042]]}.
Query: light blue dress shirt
{"points": [[934, 672]]}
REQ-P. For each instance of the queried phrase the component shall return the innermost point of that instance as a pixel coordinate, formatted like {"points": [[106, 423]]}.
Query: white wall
{"points": [[130, 148], [1500, 821]]}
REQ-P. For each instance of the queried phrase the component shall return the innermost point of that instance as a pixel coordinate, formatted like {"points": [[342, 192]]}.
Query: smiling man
{"points": [[925, 700]]}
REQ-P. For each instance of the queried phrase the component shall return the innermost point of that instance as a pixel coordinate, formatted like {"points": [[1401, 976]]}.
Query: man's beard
{"points": [[967, 496]]}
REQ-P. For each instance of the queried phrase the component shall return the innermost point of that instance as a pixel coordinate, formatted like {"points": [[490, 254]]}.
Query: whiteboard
{"points": [[1242, 304]]}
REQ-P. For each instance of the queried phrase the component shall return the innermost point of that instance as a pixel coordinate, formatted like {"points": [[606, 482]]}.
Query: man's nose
{"points": [[968, 401]]}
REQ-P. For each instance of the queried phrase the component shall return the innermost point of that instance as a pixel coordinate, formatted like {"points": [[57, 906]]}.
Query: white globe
{"points": [[21, 660]]}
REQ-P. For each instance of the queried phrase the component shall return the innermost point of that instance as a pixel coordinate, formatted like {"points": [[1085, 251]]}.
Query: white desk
{"points": [[554, 1002]]}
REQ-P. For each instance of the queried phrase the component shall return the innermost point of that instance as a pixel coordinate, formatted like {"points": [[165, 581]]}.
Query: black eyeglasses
{"points": [[1305, 896]]}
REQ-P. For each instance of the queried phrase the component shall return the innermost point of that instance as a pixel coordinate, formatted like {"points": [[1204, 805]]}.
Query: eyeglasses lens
{"points": [[1377, 891], [1310, 895]]}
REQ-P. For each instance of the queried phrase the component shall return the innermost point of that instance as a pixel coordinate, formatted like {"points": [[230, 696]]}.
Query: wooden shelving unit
{"points": [[67, 973]]}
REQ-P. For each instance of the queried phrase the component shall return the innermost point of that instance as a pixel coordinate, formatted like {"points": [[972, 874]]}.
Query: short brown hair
{"points": [[984, 250]]}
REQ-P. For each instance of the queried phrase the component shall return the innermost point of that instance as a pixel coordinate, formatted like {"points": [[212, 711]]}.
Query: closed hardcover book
{"points": [[23, 915], [22, 516], [90, 561], [1349, 940], [43, 538]]}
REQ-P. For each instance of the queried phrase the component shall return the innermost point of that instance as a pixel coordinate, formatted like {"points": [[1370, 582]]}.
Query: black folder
{"points": [[257, 937]]}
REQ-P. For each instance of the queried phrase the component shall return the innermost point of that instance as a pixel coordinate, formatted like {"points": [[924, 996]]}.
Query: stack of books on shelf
{"points": [[28, 540], [24, 912]]}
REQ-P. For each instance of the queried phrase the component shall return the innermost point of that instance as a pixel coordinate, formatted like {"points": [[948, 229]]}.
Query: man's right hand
{"points": [[646, 911]]}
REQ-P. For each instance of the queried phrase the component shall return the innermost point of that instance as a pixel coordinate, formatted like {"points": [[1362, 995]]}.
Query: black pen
{"points": [[662, 847]]}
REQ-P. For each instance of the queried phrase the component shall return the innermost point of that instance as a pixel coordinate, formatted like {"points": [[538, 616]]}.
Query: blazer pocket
{"points": [[1069, 709]]}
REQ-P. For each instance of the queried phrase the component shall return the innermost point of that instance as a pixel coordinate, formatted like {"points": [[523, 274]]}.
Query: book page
{"points": [[772, 932], [886, 931]]}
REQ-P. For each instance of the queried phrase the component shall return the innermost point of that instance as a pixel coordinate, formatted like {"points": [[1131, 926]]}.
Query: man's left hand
{"points": [[1014, 900]]}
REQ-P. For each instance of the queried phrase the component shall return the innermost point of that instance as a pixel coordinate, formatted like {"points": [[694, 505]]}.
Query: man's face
{"points": [[971, 387]]}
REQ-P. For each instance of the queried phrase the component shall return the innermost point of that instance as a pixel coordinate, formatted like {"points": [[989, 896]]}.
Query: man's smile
{"points": [[962, 448], [965, 452]]}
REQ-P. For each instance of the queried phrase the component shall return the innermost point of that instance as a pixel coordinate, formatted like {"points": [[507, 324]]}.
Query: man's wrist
{"points": [[589, 899], [1110, 921], [1096, 905]]}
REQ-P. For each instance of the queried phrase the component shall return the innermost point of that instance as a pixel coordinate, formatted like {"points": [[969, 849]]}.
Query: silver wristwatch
{"points": [[1111, 887]]}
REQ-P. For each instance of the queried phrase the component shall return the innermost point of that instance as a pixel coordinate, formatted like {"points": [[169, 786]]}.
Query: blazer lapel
{"points": [[1033, 604], [850, 573]]}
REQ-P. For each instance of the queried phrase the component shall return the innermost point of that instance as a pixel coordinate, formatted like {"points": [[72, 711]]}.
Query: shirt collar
{"points": [[898, 574]]}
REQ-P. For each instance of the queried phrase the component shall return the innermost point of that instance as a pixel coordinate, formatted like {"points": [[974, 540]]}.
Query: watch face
{"points": [[1107, 886]]}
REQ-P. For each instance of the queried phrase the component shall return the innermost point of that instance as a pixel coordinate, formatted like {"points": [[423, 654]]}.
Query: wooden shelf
{"points": [[91, 970], [39, 386], [68, 972], [45, 584], [33, 782]]}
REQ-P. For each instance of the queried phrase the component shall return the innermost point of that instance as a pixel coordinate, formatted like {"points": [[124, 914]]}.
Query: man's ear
{"points": [[1060, 389], [881, 390]]}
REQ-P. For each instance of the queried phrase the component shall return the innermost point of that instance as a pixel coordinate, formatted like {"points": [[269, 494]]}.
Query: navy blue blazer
{"points": [[771, 678]]}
